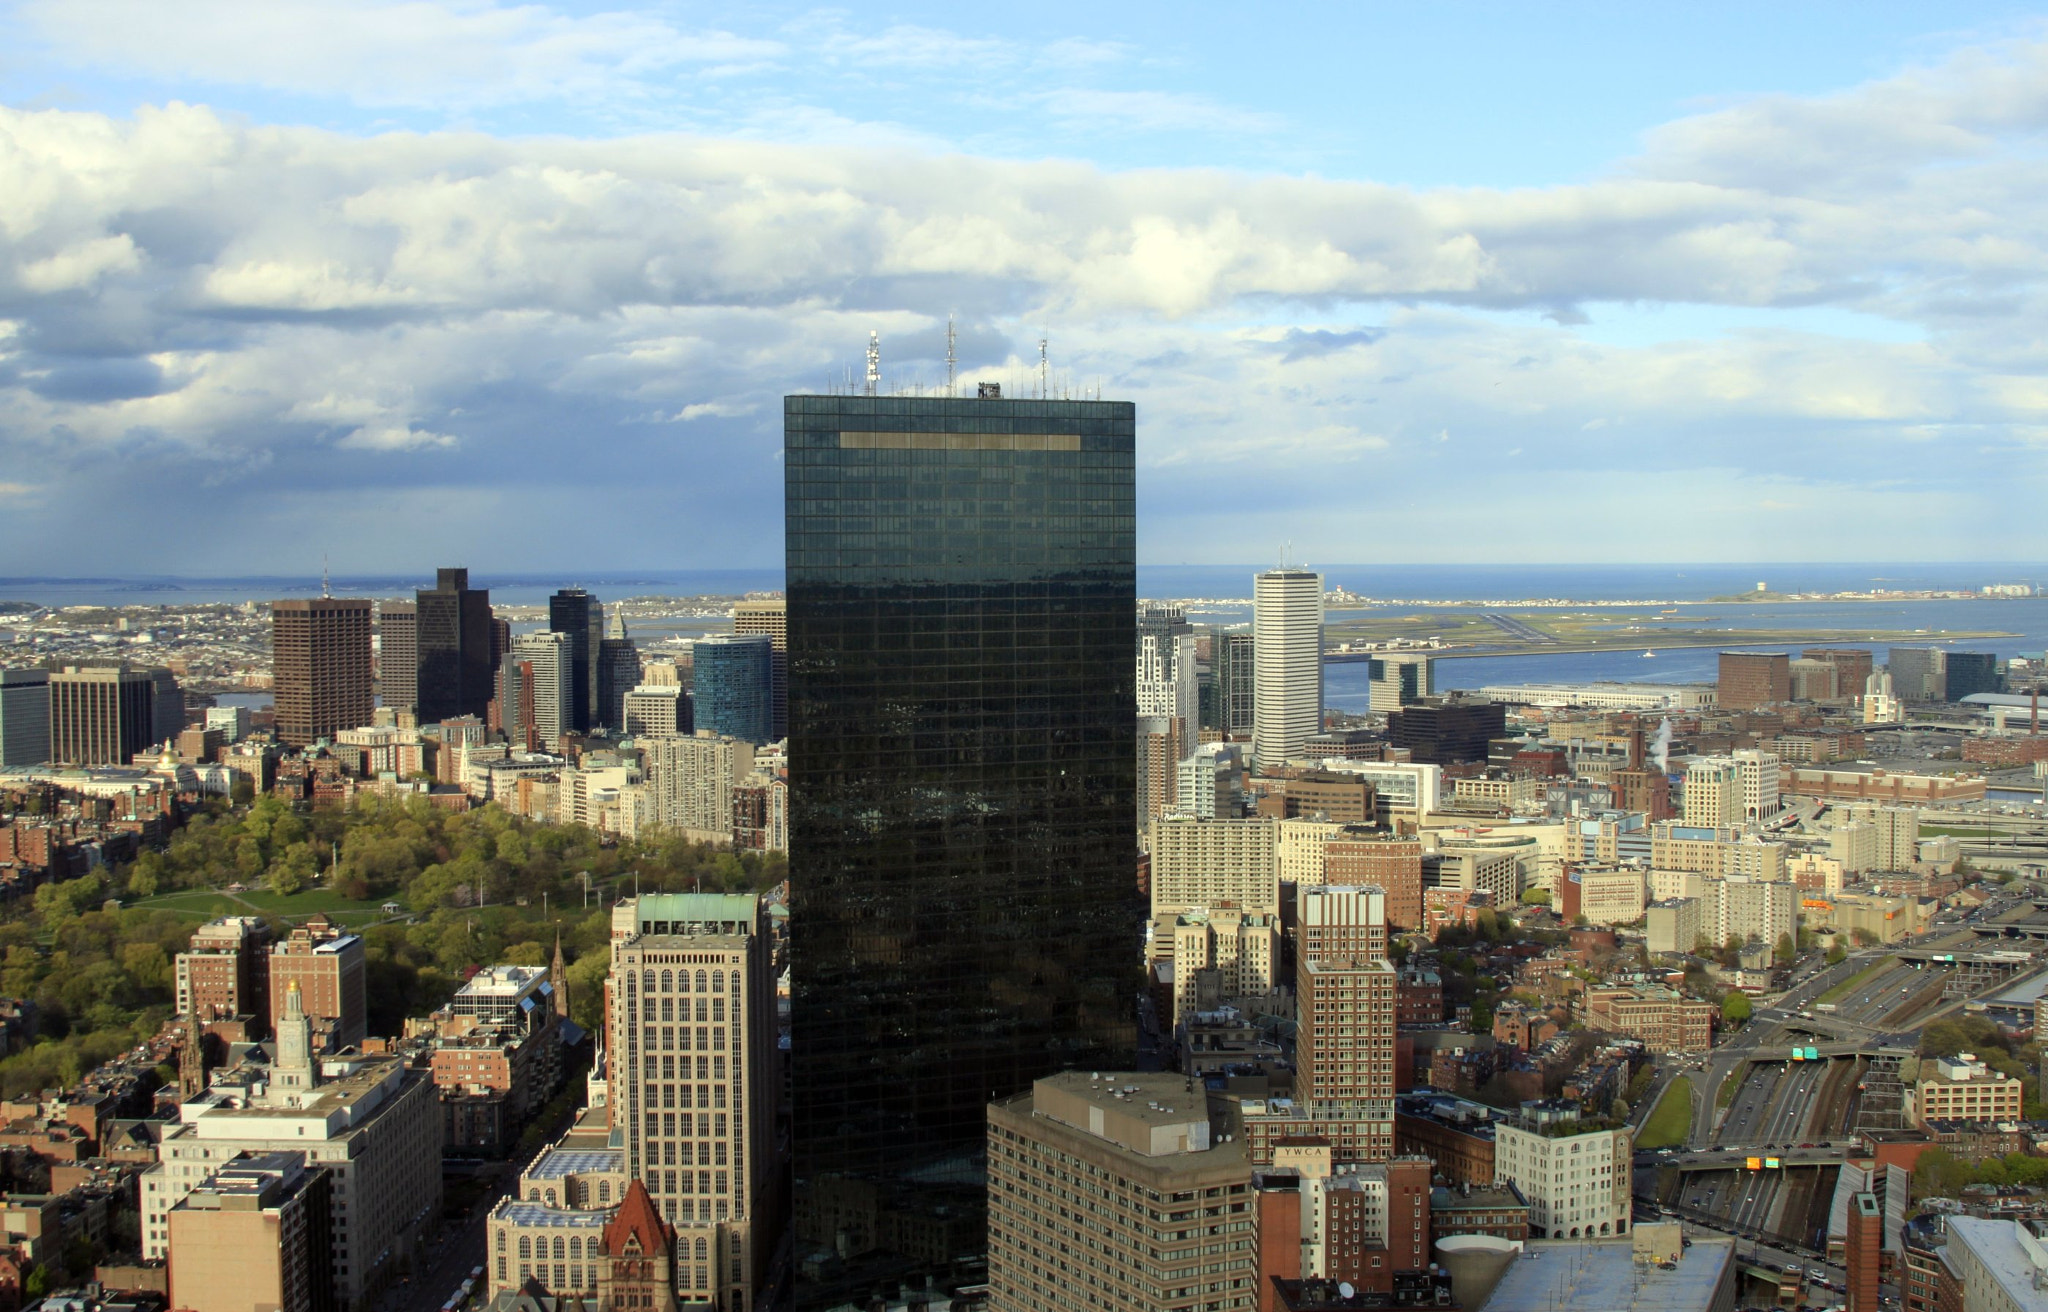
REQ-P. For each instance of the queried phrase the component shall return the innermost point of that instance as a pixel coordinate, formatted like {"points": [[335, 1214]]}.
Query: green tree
{"points": [[1735, 1008], [1836, 954], [1787, 949], [1536, 897]]}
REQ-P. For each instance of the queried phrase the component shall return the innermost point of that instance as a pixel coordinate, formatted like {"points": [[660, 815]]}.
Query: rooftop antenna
{"points": [[874, 363], [1042, 393], [951, 360], [323, 576]]}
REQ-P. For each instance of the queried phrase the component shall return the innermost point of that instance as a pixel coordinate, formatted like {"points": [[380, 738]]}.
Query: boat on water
{"points": [[1649, 655]]}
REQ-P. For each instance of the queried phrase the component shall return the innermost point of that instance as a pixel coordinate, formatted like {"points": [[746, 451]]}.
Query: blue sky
{"points": [[520, 284]]}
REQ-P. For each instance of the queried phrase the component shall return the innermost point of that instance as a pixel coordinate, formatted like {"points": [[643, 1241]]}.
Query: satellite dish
{"points": [[1344, 1289]]}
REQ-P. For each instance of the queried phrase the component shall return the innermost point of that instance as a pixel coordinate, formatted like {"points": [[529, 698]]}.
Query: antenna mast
{"points": [[874, 363], [951, 360], [1042, 393], [323, 576]]}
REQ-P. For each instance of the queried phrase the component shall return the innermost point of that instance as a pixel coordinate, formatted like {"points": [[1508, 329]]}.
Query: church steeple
{"points": [[558, 975], [192, 1058]]}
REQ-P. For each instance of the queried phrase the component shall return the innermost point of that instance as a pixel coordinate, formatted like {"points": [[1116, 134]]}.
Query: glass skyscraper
{"points": [[964, 918], [733, 686]]}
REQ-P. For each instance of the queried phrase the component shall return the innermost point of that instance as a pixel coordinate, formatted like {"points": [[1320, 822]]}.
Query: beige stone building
{"points": [[1577, 1179], [1613, 897], [1208, 863], [372, 1123], [689, 780], [1116, 1192], [1961, 1088], [252, 1237], [692, 1087], [1241, 948]]}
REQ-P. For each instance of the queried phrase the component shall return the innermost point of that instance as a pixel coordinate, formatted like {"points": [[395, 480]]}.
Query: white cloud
{"points": [[384, 52], [258, 305]]}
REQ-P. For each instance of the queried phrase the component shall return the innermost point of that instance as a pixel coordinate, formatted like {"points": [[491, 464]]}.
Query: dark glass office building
{"points": [[457, 662], [962, 761], [578, 614]]}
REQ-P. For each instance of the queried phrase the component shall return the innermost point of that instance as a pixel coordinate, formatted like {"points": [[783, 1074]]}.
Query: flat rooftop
{"points": [[1569, 1273]]}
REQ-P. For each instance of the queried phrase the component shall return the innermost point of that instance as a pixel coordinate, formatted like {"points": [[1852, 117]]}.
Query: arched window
{"points": [[702, 1252], [718, 981], [575, 1248], [735, 983], [647, 981], [501, 1241], [668, 981], [700, 981], [525, 1246], [604, 1191], [561, 1248]]}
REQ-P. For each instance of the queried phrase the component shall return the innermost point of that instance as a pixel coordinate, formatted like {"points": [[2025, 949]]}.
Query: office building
{"points": [[1757, 774], [693, 1084], [1361, 857], [324, 967], [1919, 674], [732, 692], [537, 690], [769, 616], [1815, 681], [1997, 1264], [320, 667], [961, 771], [618, 672], [1205, 863], [1970, 672], [398, 655], [457, 648], [656, 710], [1359, 1224], [1664, 1019], [1863, 1255], [690, 779], [1672, 926], [1221, 953], [1446, 731], [1166, 675], [102, 714], [1236, 683], [231, 722], [579, 617], [24, 717], [1713, 792], [1212, 782], [167, 707], [1287, 664], [254, 1234], [1401, 679], [1344, 990], [1577, 1178], [1962, 1088], [370, 1123], [226, 974], [1121, 1185], [1750, 679], [1852, 666]]}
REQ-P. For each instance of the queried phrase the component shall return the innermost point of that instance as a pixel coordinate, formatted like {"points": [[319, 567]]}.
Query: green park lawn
{"points": [[1671, 1122]]}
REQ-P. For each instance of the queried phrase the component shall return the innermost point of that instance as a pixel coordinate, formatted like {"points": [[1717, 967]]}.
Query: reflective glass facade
{"points": [[733, 686], [964, 918]]}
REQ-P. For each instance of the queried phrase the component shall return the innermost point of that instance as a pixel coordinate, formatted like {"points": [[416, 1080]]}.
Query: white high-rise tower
{"points": [[1287, 663]]}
